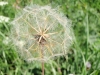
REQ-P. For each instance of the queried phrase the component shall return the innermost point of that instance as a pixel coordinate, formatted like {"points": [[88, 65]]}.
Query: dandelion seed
{"points": [[45, 33]]}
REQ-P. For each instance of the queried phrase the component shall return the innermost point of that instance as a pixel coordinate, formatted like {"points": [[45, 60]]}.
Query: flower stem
{"points": [[42, 61], [42, 68]]}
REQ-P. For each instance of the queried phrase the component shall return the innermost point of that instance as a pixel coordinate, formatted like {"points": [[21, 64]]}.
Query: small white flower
{"points": [[3, 3], [4, 19]]}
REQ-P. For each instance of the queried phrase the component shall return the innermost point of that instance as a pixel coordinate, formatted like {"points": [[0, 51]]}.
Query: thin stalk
{"points": [[42, 68], [42, 61]]}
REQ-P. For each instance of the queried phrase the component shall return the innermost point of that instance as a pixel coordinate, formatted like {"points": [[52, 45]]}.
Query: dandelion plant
{"points": [[41, 33]]}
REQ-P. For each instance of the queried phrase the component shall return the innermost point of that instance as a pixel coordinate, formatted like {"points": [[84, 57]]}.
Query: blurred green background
{"points": [[84, 55]]}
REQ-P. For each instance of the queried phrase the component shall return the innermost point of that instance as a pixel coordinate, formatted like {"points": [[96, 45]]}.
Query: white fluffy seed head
{"points": [[41, 32]]}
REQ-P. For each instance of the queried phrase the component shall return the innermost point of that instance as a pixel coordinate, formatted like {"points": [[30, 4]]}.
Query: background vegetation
{"points": [[85, 17]]}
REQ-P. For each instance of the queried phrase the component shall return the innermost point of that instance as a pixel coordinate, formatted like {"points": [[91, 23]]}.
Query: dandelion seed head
{"points": [[41, 33], [88, 65]]}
